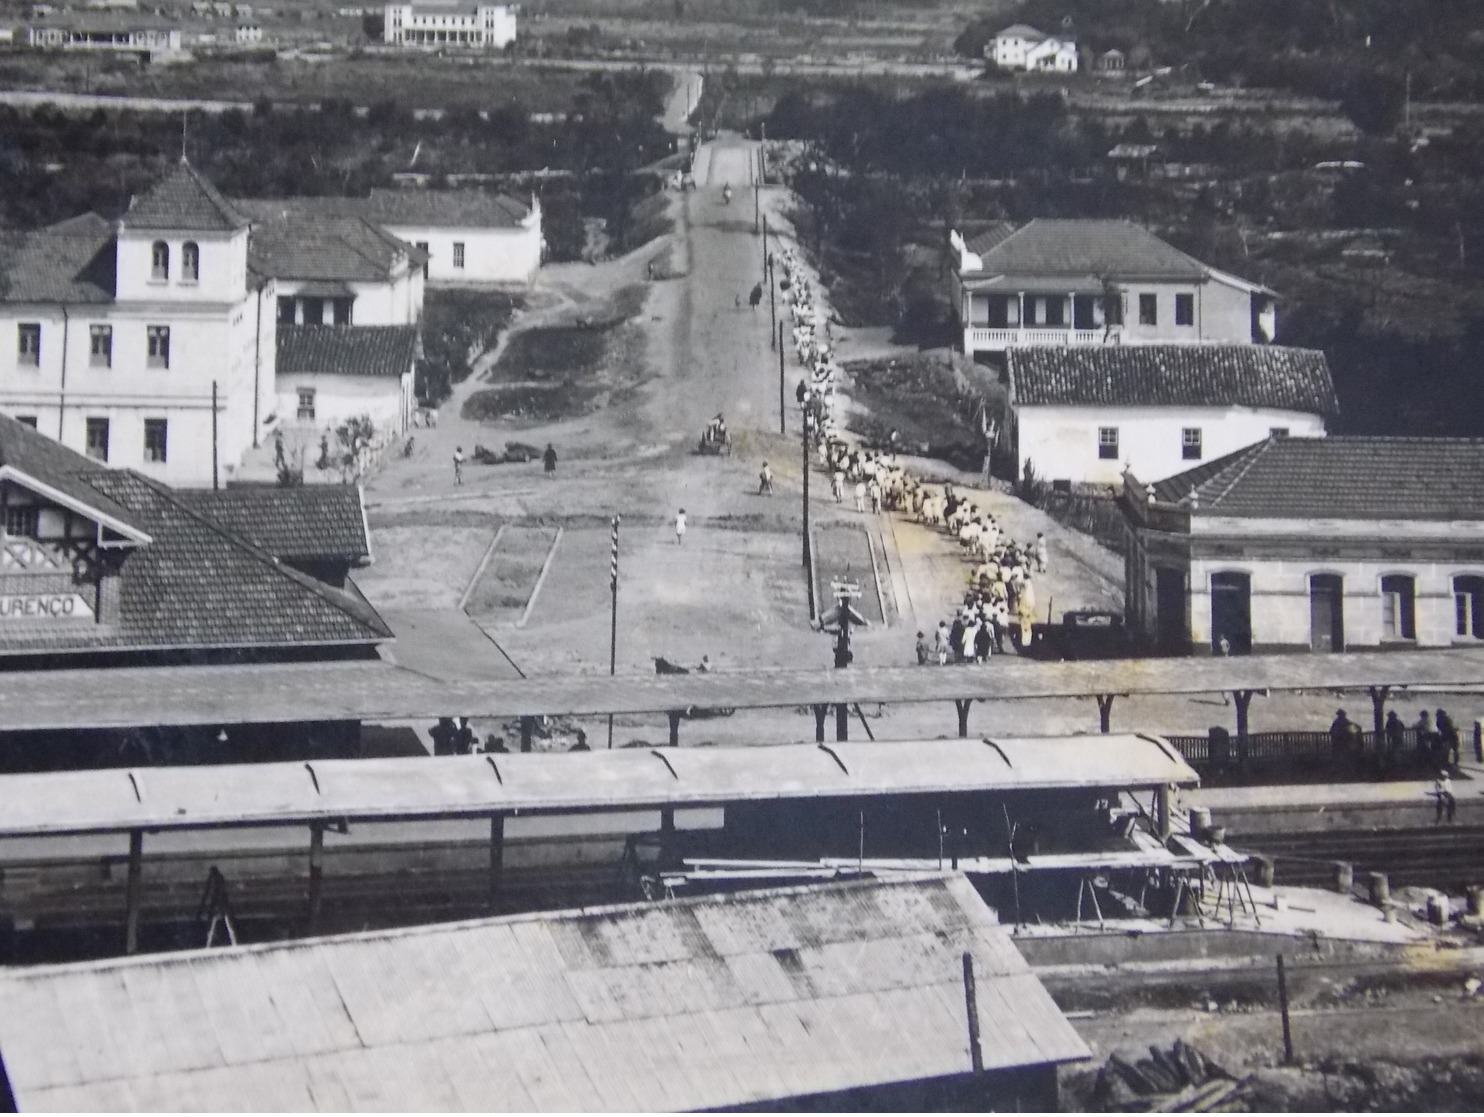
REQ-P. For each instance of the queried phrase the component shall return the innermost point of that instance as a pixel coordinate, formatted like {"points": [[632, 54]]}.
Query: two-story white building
{"points": [[450, 23], [1311, 544], [1022, 47], [1097, 282], [1088, 415], [146, 344]]}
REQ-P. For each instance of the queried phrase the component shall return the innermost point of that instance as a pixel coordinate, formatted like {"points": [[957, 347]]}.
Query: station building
{"points": [[1311, 545]]}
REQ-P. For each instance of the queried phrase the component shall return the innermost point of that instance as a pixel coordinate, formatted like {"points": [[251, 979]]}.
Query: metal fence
{"points": [[1222, 750]]}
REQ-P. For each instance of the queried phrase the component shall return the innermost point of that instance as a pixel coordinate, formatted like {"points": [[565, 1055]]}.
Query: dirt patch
{"points": [[548, 373], [423, 566], [506, 586], [933, 407]]}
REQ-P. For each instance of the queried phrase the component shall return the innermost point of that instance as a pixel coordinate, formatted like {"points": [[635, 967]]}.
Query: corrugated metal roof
{"points": [[118, 799], [689, 1004], [375, 691]]}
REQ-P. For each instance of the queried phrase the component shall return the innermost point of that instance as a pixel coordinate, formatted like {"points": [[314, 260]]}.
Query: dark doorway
{"points": [[1231, 613], [1326, 613], [1171, 635]]}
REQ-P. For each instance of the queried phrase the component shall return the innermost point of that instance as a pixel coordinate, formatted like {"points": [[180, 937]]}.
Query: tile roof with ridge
{"points": [[295, 246], [459, 208], [386, 351], [183, 201], [1268, 376], [191, 582], [302, 522], [73, 264], [1338, 478], [1082, 247]]}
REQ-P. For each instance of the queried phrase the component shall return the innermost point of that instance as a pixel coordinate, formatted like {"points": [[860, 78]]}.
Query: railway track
{"points": [[1445, 857]]}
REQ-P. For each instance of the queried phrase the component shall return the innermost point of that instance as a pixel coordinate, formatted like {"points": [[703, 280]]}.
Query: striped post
{"points": [[613, 617]]}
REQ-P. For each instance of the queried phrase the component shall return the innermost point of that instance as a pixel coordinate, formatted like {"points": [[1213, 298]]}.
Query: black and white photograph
{"points": [[758, 555]]}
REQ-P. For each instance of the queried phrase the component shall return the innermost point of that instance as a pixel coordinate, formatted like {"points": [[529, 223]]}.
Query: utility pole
{"points": [[773, 293], [613, 618], [215, 480], [782, 428], [808, 556]]}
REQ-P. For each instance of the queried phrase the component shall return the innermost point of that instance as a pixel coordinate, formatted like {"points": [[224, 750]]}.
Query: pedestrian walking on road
{"points": [[875, 491], [765, 481], [940, 643], [1442, 789], [1041, 552], [458, 465], [924, 650], [860, 496], [549, 459], [837, 485], [680, 527], [279, 460]]}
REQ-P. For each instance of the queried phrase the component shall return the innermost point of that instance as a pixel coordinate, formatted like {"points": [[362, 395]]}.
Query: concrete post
{"points": [[1162, 813], [316, 872], [1344, 879], [1379, 887], [131, 891], [1263, 868], [497, 856]]}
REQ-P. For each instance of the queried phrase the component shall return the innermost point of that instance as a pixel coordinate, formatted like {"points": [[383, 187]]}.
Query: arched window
{"points": [[159, 260], [1468, 605], [1398, 607], [190, 262]]}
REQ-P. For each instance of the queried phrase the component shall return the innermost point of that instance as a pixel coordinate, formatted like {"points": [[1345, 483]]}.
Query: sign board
{"points": [[44, 606]]}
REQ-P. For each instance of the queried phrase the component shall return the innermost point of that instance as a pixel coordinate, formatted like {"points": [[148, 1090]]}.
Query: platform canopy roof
{"points": [[376, 691], [708, 1003], [111, 800]]}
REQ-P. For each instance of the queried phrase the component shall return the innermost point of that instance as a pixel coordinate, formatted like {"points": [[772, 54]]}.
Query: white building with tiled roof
{"points": [[467, 237], [1311, 545], [1089, 414], [330, 374], [1094, 283], [120, 339]]}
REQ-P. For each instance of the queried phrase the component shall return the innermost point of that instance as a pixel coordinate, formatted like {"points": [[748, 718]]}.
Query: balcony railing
{"points": [[980, 338]]}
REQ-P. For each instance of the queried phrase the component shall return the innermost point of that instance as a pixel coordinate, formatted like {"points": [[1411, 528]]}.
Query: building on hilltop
{"points": [[450, 23], [1311, 544], [1096, 282], [146, 344], [1022, 47], [1088, 415], [107, 32], [464, 236], [104, 567]]}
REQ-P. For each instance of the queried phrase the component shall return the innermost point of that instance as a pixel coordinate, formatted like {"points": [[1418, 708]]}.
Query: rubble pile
{"points": [[1175, 1080]]}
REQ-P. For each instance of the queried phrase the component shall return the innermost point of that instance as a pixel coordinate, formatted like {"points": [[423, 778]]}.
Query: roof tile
{"points": [[302, 522], [1112, 249], [1359, 478], [347, 350], [1173, 376], [183, 201]]}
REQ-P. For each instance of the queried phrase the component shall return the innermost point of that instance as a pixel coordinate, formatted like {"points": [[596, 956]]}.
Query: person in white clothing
{"points": [[680, 527]]}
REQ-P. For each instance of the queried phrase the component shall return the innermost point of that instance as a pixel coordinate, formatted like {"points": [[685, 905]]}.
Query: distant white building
{"points": [[107, 32], [1022, 47], [450, 23], [248, 34]]}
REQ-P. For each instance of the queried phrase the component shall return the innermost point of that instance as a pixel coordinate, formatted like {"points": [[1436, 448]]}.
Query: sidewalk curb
{"points": [[541, 579]]}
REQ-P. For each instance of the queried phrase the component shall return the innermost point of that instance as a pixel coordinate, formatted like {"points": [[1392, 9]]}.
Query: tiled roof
{"points": [[1020, 31], [1173, 376], [1111, 249], [183, 201], [84, 224], [1351, 478], [48, 461], [194, 582], [458, 208], [304, 522], [68, 265], [290, 245], [982, 242], [348, 350]]}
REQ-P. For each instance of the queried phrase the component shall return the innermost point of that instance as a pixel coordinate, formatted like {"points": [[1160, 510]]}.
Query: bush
{"points": [[458, 327]]}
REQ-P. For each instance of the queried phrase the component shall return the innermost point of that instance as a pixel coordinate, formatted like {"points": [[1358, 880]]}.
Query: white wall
{"points": [[395, 302], [1280, 599], [1062, 442], [490, 255], [338, 398], [207, 343], [223, 273]]}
